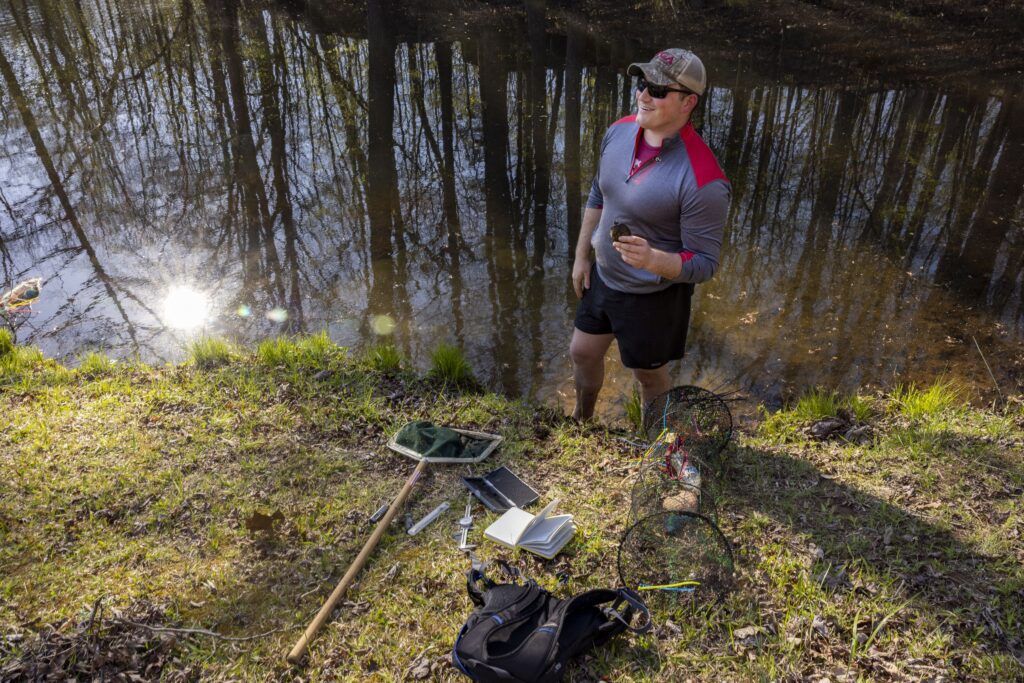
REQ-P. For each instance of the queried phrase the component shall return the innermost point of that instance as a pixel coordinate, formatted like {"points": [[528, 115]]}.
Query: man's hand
{"points": [[638, 253], [581, 275]]}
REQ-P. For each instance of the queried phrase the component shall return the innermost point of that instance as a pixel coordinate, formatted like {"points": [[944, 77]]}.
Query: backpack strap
{"points": [[473, 577], [634, 603]]}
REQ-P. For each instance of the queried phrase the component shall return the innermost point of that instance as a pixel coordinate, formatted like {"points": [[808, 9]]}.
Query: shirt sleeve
{"points": [[701, 225], [596, 198]]}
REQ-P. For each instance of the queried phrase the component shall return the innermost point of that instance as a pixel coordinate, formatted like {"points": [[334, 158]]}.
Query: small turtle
{"points": [[619, 231]]}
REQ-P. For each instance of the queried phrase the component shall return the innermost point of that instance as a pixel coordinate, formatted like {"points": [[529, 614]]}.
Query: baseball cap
{"points": [[674, 65]]}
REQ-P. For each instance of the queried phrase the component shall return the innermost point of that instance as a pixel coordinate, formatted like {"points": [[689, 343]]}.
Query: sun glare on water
{"points": [[185, 308]]}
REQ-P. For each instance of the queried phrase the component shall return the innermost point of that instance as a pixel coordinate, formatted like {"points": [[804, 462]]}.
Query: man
{"points": [[658, 179]]}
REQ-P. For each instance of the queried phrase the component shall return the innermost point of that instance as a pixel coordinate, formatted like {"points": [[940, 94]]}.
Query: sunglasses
{"points": [[658, 92]]}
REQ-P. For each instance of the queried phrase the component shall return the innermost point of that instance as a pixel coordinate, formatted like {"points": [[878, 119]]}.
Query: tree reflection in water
{"points": [[342, 163]]}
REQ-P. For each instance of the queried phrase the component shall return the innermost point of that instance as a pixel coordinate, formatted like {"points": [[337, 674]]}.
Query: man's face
{"points": [[666, 114]]}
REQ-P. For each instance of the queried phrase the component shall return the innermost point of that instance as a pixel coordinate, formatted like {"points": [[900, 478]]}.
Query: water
{"points": [[409, 177]]}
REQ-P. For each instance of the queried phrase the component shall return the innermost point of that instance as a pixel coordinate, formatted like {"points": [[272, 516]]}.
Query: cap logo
{"points": [[666, 58]]}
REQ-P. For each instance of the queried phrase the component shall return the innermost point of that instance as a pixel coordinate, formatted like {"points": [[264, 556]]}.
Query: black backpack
{"points": [[521, 633]]}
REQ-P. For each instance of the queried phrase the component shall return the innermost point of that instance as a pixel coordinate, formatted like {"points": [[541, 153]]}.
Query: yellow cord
{"points": [[680, 584]]}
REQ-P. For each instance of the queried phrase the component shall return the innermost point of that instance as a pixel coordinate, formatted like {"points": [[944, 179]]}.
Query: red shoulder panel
{"points": [[705, 166], [626, 119]]}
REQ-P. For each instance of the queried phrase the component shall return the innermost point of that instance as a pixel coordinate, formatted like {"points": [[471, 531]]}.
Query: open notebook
{"points": [[542, 534]]}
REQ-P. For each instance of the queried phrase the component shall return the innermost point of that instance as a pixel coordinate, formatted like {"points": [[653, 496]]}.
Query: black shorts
{"points": [[650, 328]]}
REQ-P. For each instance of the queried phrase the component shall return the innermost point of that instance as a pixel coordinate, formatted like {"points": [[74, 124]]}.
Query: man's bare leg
{"points": [[653, 383], [587, 353]]}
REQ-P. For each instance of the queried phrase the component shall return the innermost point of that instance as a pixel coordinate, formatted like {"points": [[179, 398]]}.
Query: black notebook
{"points": [[501, 490]]}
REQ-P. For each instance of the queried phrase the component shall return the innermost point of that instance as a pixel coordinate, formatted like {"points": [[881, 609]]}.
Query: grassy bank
{"points": [[137, 499]]}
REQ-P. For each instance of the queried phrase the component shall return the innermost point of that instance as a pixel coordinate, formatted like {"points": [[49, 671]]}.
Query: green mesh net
{"points": [[433, 441]]}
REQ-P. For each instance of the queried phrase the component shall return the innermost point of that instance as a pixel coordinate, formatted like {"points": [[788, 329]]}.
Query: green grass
{"points": [[861, 408], [6, 342], [209, 352], [301, 352], [384, 358], [889, 561], [448, 364], [814, 405], [18, 362], [918, 404], [635, 409], [817, 404], [95, 364]]}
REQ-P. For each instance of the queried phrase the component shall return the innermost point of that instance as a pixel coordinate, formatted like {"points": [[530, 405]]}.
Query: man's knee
{"points": [[651, 379], [586, 352]]}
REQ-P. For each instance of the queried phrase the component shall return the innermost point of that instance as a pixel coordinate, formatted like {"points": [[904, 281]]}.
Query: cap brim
{"points": [[649, 71]]}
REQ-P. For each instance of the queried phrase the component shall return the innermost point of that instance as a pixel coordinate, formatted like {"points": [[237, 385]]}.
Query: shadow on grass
{"points": [[977, 596]]}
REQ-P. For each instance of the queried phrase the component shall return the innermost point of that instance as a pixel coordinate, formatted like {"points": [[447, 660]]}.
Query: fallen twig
{"points": [[200, 631]]}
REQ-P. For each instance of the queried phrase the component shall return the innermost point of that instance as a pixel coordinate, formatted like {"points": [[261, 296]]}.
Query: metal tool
{"points": [[428, 518], [379, 514], [466, 522]]}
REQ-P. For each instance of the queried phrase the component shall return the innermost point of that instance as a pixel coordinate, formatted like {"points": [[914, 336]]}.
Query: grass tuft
{"points": [[448, 363], [816, 404], [919, 404], [95, 364], [862, 408], [635, 409], [208, 352], [312, 351], [6, 342], [384, 358], [315, 349], [18, 362]]}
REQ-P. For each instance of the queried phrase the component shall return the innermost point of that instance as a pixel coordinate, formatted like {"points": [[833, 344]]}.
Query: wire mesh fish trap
{"points": [[672, 557], [699, 417], [657, 491]]}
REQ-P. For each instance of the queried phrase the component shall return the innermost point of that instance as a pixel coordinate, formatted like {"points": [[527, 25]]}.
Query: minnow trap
{"points": [[698, 416], [671, 557]]}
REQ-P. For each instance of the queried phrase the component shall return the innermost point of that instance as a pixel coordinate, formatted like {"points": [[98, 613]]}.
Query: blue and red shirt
{"points": [[676, 198]]}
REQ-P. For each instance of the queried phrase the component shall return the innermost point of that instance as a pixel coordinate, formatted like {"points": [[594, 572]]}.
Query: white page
{"points": [[544, 531], [510, 527], [549, 550], [539, 517]]}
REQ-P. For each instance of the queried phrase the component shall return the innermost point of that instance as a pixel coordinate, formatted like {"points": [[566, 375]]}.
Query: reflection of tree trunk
{"points": [[494, 111], [883, 198], [994, 217], [954, 116], [537, 98], [499, 243], [270, 90], [737, 134], [29, 120], [381, 172], [573, 78], [764, 155], [443, 53], [253, 194], [826, 198], [948, 269]]}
